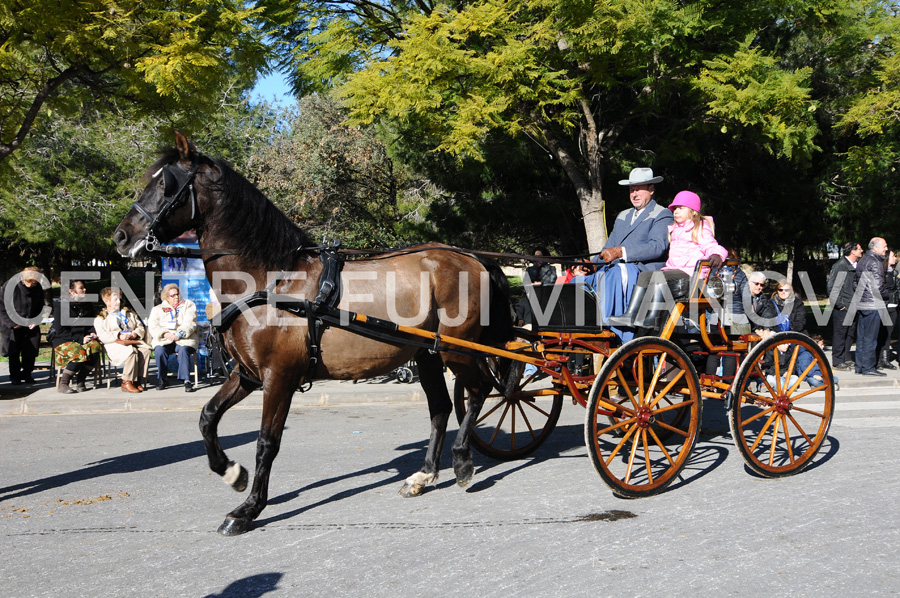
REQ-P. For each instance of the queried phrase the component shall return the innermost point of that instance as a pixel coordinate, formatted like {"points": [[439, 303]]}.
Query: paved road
{"points": [[122, 504]]}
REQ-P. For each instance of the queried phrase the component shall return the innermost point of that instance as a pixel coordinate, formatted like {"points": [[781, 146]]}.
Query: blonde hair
{"points": [[699, 222], [167, 288], [109, 292]]}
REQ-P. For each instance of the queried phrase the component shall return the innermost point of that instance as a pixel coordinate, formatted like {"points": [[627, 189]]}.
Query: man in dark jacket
{"points": [[842, 274], [870, 290], [19, 323]]}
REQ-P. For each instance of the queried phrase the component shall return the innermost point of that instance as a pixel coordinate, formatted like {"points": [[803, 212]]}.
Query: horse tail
{"points": [[499, 328]]}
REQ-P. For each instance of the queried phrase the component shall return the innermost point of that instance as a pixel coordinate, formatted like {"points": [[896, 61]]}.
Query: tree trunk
{"points": [[588, 189]]}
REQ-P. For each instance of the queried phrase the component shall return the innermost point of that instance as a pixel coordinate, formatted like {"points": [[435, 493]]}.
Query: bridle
{"points": [[178, 184]]}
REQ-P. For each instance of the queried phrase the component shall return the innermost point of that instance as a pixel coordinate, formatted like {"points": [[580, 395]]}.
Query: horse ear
{"points": [[185, 146]]}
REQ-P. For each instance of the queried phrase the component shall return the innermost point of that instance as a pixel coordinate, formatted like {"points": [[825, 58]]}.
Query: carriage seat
{"points": [[570, 307]]}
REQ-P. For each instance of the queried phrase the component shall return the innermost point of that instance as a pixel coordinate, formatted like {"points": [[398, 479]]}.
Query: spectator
{"points": [[739, 322], [762, 313], [842, 274], [886, 331], [814, 378], [540, 272], [789, 309], [173, 331], [20, 323], [870, 276], [639, 242], [691, 239], [75, 345], [124, 337]]}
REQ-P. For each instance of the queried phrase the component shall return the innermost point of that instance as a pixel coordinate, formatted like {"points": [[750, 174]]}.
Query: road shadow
{"points": [[250, 587], [132, 462]]}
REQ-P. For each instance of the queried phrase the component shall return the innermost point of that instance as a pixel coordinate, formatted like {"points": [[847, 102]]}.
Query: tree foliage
{"points": [[579, 77], [173, 59], [340, 181]]}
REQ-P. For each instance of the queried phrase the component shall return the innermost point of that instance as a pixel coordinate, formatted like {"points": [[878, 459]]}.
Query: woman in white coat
{"points": [[173, 330], [123, 336]]}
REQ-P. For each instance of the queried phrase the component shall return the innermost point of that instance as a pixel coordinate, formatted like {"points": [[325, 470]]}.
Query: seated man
{"points": [[639, 242], [173, 330], [123, 336]]}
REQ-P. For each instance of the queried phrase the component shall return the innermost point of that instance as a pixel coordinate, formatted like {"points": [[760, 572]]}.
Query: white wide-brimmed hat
{"points": [[641, 176]]}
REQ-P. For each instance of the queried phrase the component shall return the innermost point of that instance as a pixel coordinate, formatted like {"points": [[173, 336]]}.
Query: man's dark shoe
{"points": [[28, 380], [846, 366], [161, 384], [188, 387], [873, 373]]}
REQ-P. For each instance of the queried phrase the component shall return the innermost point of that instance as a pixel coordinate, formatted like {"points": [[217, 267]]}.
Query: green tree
{"points": [[866, 174], [339, 181], [575, 76], [172, 59], [79, 175]]}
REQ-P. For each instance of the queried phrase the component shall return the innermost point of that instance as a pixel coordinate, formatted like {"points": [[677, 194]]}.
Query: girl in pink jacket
{"points": [[691, 238]]}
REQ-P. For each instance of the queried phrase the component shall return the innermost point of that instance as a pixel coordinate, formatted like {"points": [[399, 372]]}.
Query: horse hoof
{"points": [[237, 477], [411, 490], [464, 474], [241, 483], [232, 526]]}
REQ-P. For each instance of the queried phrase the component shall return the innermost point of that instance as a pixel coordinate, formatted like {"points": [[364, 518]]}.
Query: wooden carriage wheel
{"points": [[514, 423], [779, 422], [643, 417]]}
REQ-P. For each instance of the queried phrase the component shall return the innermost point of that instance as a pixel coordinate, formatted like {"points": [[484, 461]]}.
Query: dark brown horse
{"points": [[434, 288]]}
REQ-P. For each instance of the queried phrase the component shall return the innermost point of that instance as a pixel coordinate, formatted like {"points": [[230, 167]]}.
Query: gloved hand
{"points": [[610, 254], [715, 261]]}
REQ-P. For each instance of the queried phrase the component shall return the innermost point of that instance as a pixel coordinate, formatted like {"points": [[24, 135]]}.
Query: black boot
{"points": [[884, 362], [626, 320], [655, 308], [81, 376], [63, 385]]}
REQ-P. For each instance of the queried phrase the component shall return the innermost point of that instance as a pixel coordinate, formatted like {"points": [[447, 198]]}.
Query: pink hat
{"points": [[688, 199]]}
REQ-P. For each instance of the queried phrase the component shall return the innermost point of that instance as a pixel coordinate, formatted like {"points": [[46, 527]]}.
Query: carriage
{"points": [[643, 398]]}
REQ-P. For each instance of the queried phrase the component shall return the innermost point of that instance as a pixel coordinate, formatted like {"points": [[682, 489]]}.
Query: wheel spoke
{"points": [[615, 426], [787, 439], [647, 456], [659, 444], [800, 429], [492, 409], [623, 384], [762, 413], [631, 454], [657, 372], [774, 441], [763, 431], [525, 419], [621, 443], [667, 389], [500, 424]]}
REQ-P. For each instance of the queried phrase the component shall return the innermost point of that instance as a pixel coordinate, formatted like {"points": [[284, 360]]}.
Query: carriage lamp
{"points": [[722, 284]]}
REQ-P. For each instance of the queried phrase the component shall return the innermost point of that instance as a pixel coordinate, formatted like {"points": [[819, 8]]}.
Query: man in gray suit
{"points": [[640, 235], [639, 242]]}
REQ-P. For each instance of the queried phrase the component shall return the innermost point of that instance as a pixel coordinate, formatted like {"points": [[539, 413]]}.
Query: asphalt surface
{"points": [[123, 504]]}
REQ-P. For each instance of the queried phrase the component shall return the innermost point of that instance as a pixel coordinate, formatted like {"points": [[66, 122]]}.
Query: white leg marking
{"points": [[422, 479], [232, 474]]}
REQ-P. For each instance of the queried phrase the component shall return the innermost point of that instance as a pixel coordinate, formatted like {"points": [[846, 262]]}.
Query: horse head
{"points": [[169, 204]]}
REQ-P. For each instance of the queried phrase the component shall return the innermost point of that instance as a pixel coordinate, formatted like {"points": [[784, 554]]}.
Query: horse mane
{"points": [[262, 232]]}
